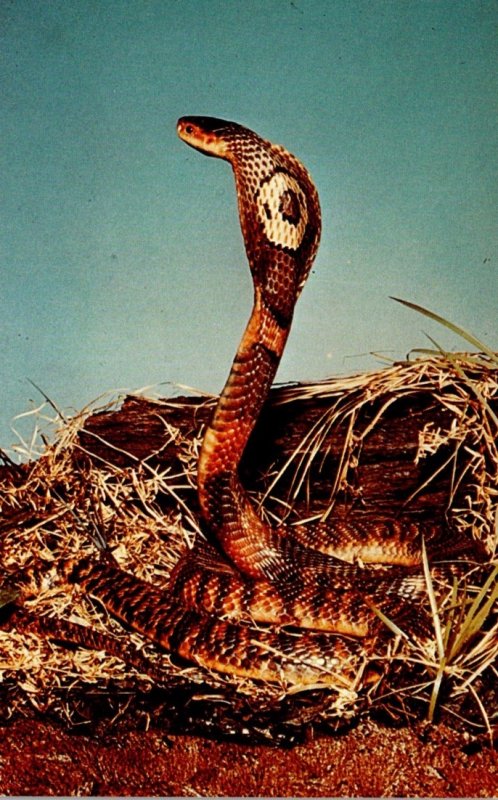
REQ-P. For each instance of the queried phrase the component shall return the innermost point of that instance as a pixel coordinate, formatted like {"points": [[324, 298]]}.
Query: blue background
{"points": [[122, 260]]}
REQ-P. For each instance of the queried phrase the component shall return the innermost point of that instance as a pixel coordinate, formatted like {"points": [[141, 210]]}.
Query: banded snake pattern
{"points": [[308, 592]]}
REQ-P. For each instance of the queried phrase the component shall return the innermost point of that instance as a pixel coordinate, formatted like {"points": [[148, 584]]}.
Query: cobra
{"points": [[276, 576]]}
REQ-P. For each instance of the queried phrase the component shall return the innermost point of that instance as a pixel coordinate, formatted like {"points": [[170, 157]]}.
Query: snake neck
{"points": [[225, 507]]}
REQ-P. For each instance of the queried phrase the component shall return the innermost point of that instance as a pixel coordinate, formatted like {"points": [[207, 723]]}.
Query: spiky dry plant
{"points": [[56, 506]]}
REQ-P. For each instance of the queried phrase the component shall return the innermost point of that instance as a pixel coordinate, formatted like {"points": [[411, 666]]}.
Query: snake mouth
{"points": [[206, 134]]}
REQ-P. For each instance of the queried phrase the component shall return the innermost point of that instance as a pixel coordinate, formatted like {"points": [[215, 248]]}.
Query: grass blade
{"points": [[469, 337]]}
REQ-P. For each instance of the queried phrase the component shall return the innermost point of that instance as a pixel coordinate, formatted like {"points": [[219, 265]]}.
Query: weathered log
{"points": [[386, 477]]}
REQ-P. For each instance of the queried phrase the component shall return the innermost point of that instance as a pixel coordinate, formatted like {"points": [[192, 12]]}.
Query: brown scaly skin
{"points": [[276, 656], [329, 603], [273, 576], [280, 219]]}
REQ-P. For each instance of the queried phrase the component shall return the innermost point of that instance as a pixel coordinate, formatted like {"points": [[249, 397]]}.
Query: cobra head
{"points": [[209, 135], [279, 209]]}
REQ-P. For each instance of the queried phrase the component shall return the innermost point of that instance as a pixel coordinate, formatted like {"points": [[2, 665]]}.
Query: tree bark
{"points": [[386, 477]]}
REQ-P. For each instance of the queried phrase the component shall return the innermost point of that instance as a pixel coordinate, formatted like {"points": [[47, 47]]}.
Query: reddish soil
{"points": [[40, 757]]}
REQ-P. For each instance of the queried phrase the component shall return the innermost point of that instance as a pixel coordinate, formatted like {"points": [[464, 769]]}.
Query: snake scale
{"points": [[228, 600]]}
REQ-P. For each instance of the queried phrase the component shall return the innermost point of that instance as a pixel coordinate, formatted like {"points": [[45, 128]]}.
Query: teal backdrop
{"points": [[122, 261]]}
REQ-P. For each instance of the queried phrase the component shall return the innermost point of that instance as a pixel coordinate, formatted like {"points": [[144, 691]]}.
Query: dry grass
{"points": [[56, 507]]}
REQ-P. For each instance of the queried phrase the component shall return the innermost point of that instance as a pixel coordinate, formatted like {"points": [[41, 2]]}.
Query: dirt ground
{"points": [[40, 757]]}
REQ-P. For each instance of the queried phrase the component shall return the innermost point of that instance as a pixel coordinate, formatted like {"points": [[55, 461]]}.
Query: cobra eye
{"points": [[189, 129]]}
